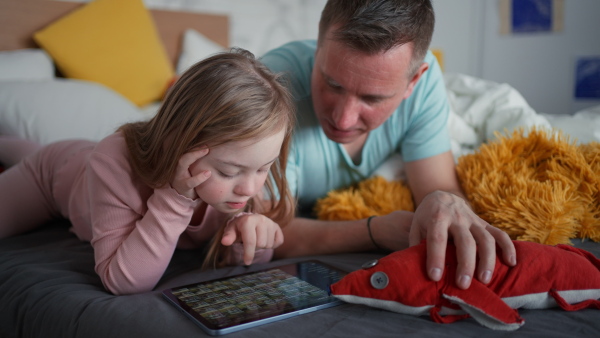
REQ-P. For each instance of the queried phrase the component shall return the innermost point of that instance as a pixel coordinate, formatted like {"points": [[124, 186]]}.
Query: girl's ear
{"points": [[415, 78]]}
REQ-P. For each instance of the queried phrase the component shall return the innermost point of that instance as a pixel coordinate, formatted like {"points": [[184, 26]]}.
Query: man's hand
{"points": [[442, 215], [254, 231]]}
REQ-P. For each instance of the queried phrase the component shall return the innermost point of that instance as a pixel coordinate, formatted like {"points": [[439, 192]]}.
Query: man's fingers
{"points": [[437, 241], [466, 253], [509, 253], [486, 248], [414, 235]]}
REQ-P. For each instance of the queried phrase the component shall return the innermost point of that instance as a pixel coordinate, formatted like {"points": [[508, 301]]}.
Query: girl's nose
{"points": [[247, 187]]}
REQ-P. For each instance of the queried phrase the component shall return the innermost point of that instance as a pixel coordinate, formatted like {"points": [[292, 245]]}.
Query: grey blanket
{"points": [[48, 288]]}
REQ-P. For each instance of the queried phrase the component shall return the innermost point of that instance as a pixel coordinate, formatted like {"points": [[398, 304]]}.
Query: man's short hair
{"points": [[374, 26]]}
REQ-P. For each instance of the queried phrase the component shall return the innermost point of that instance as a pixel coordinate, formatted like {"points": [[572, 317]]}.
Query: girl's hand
{"points": [[183, 181], [254, 231]]}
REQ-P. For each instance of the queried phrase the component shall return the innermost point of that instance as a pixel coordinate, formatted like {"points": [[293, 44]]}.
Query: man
{"points": [[369, 88]]}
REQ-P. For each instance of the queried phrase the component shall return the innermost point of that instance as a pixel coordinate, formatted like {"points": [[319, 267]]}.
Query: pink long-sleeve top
{"points": [[133, 228]]}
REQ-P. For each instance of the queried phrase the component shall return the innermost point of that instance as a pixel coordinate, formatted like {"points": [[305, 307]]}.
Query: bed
{"points": [[48, 287]]}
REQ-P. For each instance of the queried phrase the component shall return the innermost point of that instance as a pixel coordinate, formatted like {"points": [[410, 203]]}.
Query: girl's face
{"points": [[238, 171]]}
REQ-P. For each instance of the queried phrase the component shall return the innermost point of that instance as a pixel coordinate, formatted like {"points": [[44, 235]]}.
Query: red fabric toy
{"points": [[545, 276]]}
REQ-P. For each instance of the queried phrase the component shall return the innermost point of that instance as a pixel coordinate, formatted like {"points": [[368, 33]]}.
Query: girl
{"points": [[193, 172]]}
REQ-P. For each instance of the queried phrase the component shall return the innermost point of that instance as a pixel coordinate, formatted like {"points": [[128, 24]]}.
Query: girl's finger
{"points": [[249, 243], [278, 239], [188, 159], [229, 234], [200, 178]]}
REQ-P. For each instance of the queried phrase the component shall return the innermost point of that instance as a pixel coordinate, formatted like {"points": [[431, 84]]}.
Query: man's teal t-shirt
{"points": [[317, 165]]}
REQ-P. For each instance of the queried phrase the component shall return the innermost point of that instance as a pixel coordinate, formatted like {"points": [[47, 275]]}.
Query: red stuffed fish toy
{"points": [[545, 276]]}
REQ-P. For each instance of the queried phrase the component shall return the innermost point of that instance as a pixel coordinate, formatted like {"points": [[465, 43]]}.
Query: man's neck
{"points": [[354, 149]]}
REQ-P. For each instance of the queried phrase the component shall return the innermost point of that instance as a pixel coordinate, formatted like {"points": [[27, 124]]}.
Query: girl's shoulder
{"points": [[113, 145], [111, 151]]}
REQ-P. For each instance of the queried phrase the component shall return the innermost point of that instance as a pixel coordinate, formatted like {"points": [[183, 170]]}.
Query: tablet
{"points": [[239, 302]]}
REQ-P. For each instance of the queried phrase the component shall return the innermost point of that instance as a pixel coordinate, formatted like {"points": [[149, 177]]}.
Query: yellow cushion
{"points": [[113, 42]]}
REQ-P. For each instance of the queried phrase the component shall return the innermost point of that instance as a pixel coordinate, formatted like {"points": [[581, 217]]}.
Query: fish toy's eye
{"points": [[379, 280]]}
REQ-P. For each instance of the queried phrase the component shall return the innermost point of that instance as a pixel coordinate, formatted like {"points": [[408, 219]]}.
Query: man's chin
{"points": [[342, 139]]}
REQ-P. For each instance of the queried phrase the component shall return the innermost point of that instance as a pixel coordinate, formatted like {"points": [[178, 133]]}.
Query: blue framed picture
{"points": [[587, 78], [532, 16]]}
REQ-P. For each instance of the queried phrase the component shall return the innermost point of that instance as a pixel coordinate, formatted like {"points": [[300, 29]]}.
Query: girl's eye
{"points": [[222, 174]]}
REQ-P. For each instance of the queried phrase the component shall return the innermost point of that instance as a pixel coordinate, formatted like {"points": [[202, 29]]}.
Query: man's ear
{"points": [[415, 78]]}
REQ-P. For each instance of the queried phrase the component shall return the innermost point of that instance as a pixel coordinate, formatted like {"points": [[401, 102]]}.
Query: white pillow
{"points": [[26, 64], [48, 111], [195, 48]]}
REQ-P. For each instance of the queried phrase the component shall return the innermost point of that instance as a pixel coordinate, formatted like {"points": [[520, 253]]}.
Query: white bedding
{"points": [[480, 108], [40, 107]]}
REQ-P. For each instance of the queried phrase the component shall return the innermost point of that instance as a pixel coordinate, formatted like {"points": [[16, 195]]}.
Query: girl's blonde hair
{"points": [[227, 97]]}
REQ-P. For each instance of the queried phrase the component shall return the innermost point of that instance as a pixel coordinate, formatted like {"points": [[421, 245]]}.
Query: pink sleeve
{"points": [[135, 229]]}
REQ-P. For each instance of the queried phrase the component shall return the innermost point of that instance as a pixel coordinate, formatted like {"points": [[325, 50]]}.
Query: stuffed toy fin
{"points": [[545, 276]]}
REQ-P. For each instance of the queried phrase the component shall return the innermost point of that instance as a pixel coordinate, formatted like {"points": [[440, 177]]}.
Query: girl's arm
{"points": [[135, 229]]}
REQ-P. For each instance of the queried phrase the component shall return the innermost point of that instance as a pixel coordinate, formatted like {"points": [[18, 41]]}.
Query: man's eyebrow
{"points": [[234, 164], [331, 81]]}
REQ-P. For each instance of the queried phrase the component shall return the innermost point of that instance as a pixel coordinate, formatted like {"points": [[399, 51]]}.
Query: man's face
{"points": [[353, 92]]}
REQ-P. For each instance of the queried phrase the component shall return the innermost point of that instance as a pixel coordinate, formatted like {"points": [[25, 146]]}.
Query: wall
{"points": [[258, 25], [540, 65]]}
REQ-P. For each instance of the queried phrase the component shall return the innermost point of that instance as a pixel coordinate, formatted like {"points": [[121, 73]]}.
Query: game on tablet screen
{"points": [[261, 296]]}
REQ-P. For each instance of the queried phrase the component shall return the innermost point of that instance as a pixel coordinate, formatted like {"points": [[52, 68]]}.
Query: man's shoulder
{"points": [[294, 59], [297, 47], [291, 56]]}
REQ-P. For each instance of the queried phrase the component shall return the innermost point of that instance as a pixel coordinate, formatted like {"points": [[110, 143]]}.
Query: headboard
{"points": [[19, 19]]}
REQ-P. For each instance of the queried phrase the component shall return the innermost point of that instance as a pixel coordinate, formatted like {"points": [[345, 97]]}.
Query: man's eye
{"points": [[334, 86], [372, 99]]}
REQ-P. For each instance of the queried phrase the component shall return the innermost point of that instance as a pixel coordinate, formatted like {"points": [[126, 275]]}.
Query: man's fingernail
{"points": [[486, 276], [436, 274], [513, 260], [464, 281]]}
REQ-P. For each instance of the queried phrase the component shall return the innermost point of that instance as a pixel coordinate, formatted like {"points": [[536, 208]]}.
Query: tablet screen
{"points": [[233, 303]]}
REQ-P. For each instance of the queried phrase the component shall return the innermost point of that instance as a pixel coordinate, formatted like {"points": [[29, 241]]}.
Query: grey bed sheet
{"points": [[48, 288]]}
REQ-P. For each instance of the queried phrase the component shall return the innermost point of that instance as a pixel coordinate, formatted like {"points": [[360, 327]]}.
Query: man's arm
{"points": [[443, 212], [304, 236], [430, 174]]}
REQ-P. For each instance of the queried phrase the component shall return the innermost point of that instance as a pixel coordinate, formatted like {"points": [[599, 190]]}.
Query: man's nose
{"points": [[346, 112]]}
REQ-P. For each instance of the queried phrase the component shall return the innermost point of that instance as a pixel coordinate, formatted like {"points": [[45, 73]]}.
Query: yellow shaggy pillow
{"points": [[536, 186], [372, 197]]}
